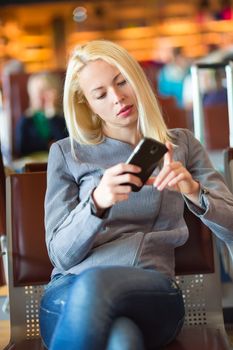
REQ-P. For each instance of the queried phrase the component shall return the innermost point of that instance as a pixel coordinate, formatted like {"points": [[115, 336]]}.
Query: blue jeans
{"points": [[113, 308]]}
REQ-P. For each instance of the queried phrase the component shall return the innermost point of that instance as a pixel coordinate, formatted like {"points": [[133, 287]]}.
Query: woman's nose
{"points": [[118, 96]]}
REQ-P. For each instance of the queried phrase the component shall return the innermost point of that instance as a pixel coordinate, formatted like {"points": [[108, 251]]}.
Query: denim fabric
{"points": [[110, 308], [126, 335]]}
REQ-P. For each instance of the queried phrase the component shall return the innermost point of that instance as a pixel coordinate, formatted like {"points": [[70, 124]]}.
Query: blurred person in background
{"points": [[212, 81], [217, 94], [204, 13], [43, 122], [172, 75]]}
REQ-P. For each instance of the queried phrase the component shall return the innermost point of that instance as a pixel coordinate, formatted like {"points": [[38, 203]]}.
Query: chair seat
{"points": [[190, 338], [200, 337], [30, 344]]}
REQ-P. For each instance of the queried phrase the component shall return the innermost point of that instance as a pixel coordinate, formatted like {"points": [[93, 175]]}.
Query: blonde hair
{"points": [[82, 124]]}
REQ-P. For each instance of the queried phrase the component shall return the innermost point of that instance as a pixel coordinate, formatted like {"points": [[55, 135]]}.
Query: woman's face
{"points": [[109, 95]]}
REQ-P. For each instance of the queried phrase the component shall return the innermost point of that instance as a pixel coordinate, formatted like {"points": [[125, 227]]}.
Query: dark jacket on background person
{"points": [[37, 133]]}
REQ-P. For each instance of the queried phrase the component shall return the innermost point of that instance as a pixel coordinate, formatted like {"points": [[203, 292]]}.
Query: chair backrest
{"points": [[2, 197], [197, 253], [16, 99], [216, 127], [30, 268], [2, 217], [174, 116], [29, 265], [228, 167], [151, 69], [36, 166]]}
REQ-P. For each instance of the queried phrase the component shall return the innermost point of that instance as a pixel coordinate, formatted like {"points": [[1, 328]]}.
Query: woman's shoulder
{"points": [[60, 151], [63, 144], [180, 135], [185, 143]]}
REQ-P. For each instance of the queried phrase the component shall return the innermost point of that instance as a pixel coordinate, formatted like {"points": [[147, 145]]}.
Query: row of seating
{"points": [[16, 102], [29, 269]]}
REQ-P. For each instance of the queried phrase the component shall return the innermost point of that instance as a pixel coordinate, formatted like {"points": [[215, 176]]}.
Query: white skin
{"points": [[112, 98]]}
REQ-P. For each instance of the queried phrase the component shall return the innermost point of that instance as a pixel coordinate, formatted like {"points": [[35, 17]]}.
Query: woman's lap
{"points": [[96, 298]]}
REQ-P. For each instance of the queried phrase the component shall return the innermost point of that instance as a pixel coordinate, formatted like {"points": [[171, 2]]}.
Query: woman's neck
{"points": [[131, 136]]}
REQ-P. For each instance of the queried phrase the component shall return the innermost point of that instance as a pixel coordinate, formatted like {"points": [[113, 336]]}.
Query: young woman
{"points": [[112, 249]]}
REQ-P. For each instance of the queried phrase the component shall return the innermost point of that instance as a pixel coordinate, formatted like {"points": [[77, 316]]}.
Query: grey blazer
{"points": [[142, 231]]}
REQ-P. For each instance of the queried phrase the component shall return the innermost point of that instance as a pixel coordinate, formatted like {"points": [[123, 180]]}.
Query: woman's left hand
{"points": [[175, 176]]}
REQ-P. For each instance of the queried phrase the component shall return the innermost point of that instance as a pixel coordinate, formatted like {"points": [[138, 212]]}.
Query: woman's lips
{"points": [[125, 111]]}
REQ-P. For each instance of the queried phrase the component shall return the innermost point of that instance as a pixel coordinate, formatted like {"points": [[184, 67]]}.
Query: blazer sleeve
{"points": [[215, 198], [71, 227]]}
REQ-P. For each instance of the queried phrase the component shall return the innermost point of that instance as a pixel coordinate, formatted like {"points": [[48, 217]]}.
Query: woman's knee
{"points": [[125, 335]]}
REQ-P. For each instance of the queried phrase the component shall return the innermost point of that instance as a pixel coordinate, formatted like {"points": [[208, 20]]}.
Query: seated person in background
{"points": [[43, 122], [113, 284], [171, 76], [217, 94], [212, 89]]}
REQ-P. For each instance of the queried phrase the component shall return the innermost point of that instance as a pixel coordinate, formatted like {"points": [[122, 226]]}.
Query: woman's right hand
{"points": [[111, 188]]}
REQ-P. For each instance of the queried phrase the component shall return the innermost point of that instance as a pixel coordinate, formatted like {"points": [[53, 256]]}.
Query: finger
{"points": [[151, 180], [127, 178], [169, 178], [168, 157], [124, 168], [177, 179], [165, 171]]}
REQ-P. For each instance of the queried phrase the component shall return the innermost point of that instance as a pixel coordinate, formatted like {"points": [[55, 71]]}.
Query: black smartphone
{"points": [[147, 155]]}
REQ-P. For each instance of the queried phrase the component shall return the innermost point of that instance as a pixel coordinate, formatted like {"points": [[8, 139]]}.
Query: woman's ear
{"points": [[96, 117]]}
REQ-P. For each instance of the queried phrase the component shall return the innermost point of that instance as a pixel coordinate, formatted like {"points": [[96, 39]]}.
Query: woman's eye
{"points": [[101, 96], [122, 82]]}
